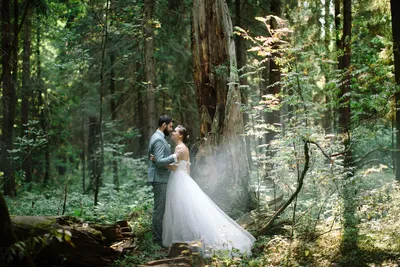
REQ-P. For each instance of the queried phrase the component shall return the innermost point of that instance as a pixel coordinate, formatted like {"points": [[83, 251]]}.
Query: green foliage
{"points": [[134, 196]]}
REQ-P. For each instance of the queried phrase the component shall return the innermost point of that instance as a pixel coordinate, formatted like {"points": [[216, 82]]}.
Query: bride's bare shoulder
{"points": [[182, 146]]}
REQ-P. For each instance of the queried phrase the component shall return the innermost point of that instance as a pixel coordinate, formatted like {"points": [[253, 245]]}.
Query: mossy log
{"points": [[69, 241]]}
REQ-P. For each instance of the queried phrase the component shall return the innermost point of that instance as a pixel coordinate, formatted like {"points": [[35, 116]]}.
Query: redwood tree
{"points": [[8, 100], [395, 8], [26, 94], [218, 161], [149, 66]]}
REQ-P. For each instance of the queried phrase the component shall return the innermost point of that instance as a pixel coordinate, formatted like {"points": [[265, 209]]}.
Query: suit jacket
{"points": [[159, 147]]}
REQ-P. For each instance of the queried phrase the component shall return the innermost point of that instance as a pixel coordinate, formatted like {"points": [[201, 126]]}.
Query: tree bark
{"points": [[218, 162], [350, 233], [113, 110], [8, 100], [274, 74], [149, 66], [327, 121], [344, 109], [241, 58], [339, 44], [395, 7], [26, 95], [93, 151], [100, 162], [113, 104], [41, 107]]}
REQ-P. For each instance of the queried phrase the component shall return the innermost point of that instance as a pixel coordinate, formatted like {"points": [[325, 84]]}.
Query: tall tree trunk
{"points": [[93, 152], [8, 100], [149, 66], [395, 7], [102, 90], [344, 109], [328, 118], [83, 153], [350, 233], [241, 58], [113, 110], [26, 95], [217, 159], [8, 238], [339, 44], [41, 107], [141, 96], [274, 73]]}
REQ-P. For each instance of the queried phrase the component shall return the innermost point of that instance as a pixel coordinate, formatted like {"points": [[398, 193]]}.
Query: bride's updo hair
{"points": [[184, 133]]}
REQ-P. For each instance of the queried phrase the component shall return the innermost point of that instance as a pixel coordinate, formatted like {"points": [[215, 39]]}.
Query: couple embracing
{"points": [[182, 211]]}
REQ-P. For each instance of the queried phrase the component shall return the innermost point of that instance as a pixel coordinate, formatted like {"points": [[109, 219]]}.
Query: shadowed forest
{"points": [[292, 109]]}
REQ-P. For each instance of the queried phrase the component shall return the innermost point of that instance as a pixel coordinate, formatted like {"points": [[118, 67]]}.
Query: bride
{"points": [[190, 215]]}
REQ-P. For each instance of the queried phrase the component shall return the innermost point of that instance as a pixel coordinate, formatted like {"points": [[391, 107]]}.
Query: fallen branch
{"points": [[69, 240]]}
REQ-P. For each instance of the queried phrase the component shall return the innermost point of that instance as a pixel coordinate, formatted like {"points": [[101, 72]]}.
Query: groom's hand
{"points": [[179, 151], [152, 157]]}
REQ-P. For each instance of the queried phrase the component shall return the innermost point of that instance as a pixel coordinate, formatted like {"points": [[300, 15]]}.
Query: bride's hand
{"points": [[151, 157]]}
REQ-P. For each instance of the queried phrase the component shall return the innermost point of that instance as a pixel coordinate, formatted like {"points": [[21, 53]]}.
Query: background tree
{"points": [[395, 7], [8, 100]]}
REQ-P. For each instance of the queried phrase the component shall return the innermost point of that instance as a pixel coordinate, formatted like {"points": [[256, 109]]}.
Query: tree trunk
{"points": [[339, 44], [344, 109], [149, 66], [8, 238], [241, 58], [395, 7], [328, 116], [41, 107], [93, 151], [83, 155], [350, 232], [113, 110], [274, 73], [8, 100], [26, 95], [100, 162], [218, 162]]}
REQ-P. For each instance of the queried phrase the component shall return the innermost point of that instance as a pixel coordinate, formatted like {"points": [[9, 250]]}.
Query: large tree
{"points": [[149, 65], [395, 7], [219, 164], [8, 99], [26, 94]]}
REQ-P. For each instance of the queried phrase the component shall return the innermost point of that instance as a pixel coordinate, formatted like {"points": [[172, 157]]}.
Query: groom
{"points": [[158, 174]]}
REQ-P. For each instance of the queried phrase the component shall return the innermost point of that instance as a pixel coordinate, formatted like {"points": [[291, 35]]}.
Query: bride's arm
{"points": [[178, 151]]}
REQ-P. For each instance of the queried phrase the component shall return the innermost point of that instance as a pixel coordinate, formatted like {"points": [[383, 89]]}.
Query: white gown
{"points": [[190, 215]]}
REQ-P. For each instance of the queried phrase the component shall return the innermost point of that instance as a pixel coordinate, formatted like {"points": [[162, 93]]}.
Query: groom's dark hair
{"points": [[164, 118]]}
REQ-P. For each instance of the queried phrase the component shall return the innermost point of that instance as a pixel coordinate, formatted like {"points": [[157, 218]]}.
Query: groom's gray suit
{"points": [[158, 177]]}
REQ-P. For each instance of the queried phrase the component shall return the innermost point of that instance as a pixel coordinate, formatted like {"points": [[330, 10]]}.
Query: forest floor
{"points": [[377, 236]]}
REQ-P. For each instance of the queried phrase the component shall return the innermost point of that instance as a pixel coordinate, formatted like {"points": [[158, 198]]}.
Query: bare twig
{"points": [[298, 189]]}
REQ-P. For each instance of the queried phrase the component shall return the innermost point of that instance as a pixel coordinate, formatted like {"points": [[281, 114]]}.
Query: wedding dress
{"points": [[190, 215]]}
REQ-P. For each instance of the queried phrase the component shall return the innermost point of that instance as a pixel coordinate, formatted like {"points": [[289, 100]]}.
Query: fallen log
{"points": [[68, 241]]}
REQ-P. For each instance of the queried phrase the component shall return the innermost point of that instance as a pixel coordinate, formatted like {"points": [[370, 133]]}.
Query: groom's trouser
{"points": [[159, 190]]}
